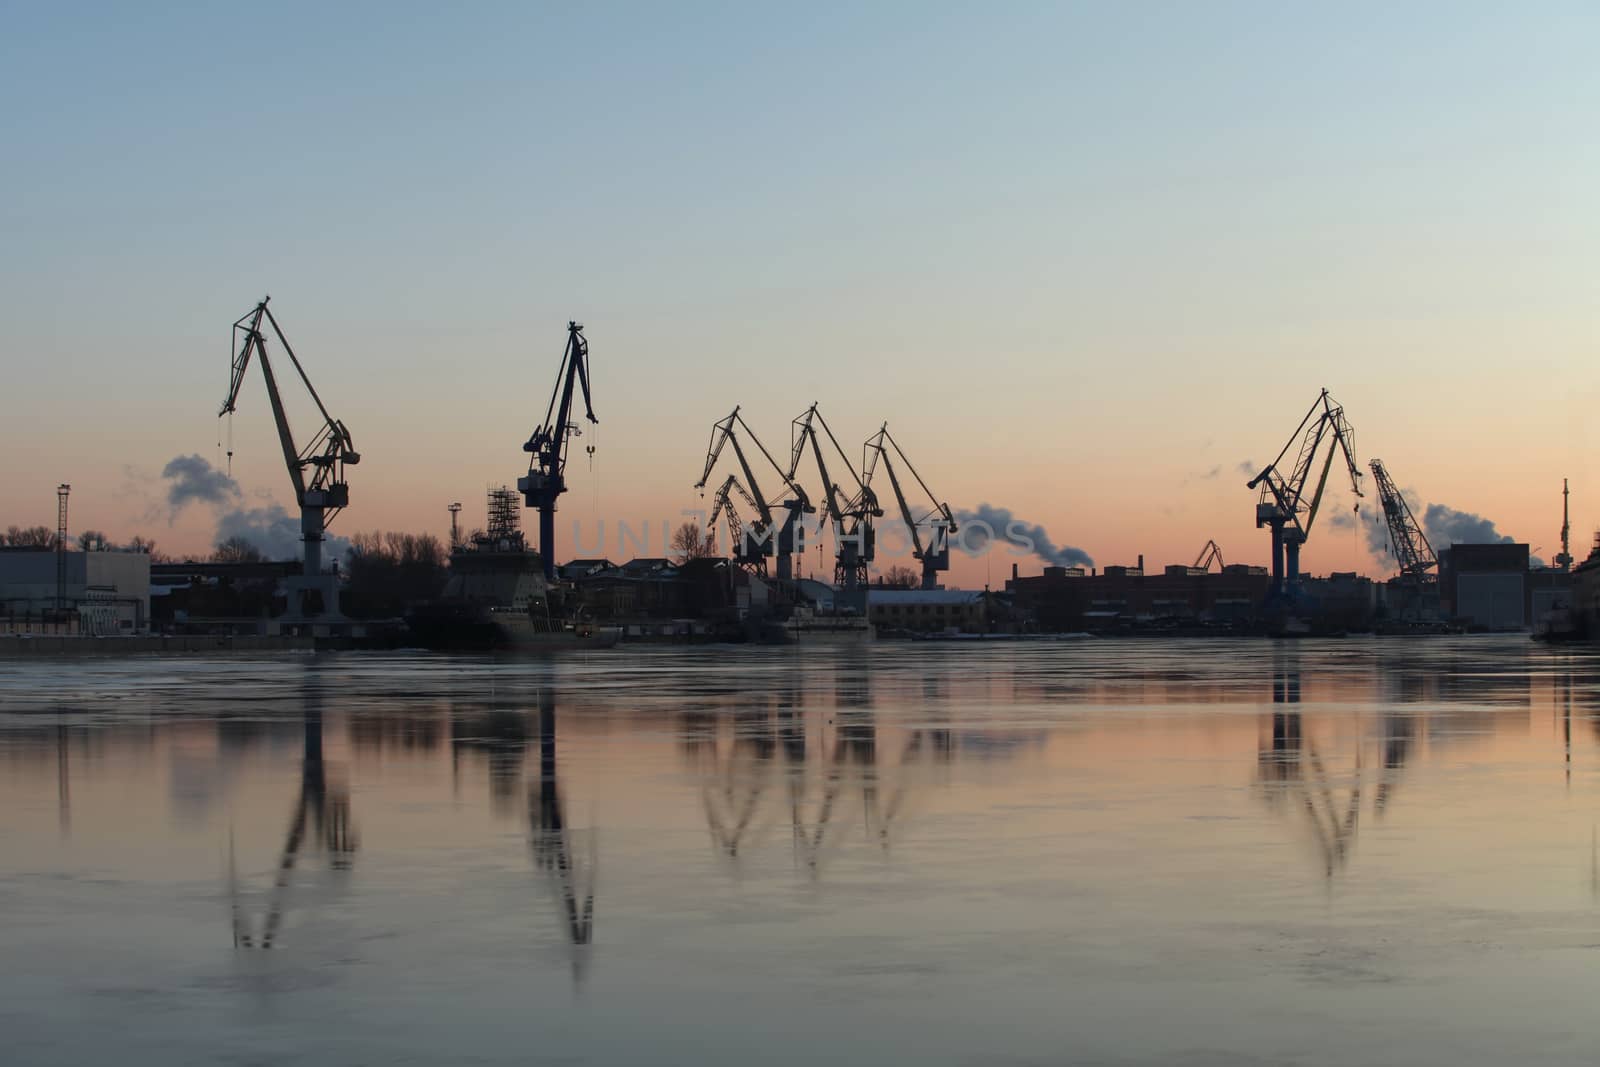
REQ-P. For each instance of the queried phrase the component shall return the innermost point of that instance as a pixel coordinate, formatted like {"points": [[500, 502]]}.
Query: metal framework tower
{"points": [[455, 526], [505, 518], [62, 492]]}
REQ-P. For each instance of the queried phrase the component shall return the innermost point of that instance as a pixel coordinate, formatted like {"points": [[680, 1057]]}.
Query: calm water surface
{"points": [[1344, 852]]}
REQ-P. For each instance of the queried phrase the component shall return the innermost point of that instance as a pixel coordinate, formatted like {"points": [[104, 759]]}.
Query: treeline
{"points": [[390, 570], [88, 541]]}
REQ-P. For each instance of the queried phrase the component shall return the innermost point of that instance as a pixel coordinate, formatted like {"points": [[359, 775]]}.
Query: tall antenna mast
{"points": [[1564, 561]]}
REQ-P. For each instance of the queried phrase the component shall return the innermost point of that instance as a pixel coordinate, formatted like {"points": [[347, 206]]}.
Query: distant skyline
{"points": [[1090, 262]]}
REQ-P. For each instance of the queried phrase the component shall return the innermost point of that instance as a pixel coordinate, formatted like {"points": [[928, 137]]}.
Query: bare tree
{"points": [[31, 537], [902, 577], [236, 550], [94, 541], [688, 543]]}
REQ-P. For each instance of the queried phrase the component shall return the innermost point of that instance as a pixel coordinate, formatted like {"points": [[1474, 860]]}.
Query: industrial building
{"points": [[90, 593], [1071, 598], [929, 610], [1486, 586]]}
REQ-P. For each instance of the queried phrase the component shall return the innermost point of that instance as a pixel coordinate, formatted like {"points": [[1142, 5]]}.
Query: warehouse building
{"points": [[1486, 586], [102, 592]]}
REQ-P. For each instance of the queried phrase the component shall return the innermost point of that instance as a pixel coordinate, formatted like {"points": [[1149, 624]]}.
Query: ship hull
{"points": [[466, 627]]}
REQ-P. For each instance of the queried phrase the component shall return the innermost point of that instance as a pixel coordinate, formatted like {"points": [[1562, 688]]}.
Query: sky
{"points": [[1090, 262]]}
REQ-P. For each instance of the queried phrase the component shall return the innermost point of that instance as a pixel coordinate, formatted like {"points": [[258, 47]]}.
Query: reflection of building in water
{"points": [[500, 735], [555, 850], [321, 817], [410, 730]]}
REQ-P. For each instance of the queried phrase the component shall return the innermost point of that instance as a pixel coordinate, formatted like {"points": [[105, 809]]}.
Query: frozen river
{"points": [[1108, 852]]}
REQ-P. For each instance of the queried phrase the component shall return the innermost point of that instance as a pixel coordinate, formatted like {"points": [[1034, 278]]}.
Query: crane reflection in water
{"points": [[813, 764], [1293, 773], [321, 818], [567, 862]]}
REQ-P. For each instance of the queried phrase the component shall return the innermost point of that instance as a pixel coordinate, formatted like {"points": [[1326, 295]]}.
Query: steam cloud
{"points": [[1447, 526], [1007, 526], [193, 480], [270, 529], [274, 532]]}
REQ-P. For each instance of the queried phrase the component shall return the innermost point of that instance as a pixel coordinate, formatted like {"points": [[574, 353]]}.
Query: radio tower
{"points": [[1564, 561], [61, 545]]}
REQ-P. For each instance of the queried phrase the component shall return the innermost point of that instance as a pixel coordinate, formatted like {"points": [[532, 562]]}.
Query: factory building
{"points": [[1072, 598], [1486, 586], [928, 610], [103, 593]]}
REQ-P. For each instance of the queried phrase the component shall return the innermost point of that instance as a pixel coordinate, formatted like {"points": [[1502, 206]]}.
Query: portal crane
{"points": [[546, 478], [324, 456], [1412, 551], [745, 552], [934, 553], [1285, 505], [1208, 555], [765, 534], [852, 517]]}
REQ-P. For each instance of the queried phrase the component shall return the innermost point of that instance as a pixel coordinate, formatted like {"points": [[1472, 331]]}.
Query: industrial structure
{"points": [[315, 594], [931, 529], [1418, 580], [1209, 554], [62, 492], [764, 534], [50, 590], [546, 479], [1285, 503], [1563, 560], [852, 516]]}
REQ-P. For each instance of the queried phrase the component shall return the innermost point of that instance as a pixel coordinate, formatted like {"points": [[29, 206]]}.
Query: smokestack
{"points": [[1141, 563], [1013, 572]]}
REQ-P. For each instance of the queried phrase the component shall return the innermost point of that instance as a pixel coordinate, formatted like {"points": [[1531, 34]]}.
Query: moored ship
{"points": [[497, 596]]}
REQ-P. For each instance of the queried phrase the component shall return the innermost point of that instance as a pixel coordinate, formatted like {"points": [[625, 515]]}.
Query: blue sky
{"points": [[1077, 252]]}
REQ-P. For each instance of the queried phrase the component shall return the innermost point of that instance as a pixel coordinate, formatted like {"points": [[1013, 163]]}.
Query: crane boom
{"points": [[745, 553], [726, 431], [1284, 503], [934, 555], [853, 532], [326, 493], [546, 479], [1412, 551]]}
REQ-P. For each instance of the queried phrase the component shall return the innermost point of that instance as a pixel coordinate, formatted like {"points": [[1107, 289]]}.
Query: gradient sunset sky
{"points": [[1087, 260]]}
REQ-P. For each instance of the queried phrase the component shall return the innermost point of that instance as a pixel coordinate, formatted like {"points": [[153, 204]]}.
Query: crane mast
{"points": [[765, 534], [934, 554], [326, 493], [546, 479], [1285, 505], [853, 533]]}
